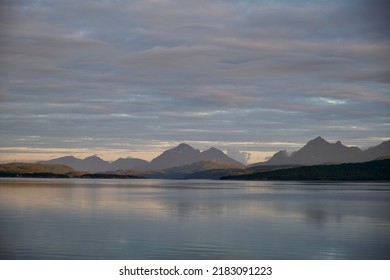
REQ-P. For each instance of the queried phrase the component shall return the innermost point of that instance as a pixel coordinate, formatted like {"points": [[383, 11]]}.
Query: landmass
{"points": [[377, 170], [317, 160], [39, 170]]}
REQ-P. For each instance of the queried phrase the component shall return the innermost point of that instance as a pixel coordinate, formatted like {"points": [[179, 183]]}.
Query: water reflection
{"points": [[161, 219]]}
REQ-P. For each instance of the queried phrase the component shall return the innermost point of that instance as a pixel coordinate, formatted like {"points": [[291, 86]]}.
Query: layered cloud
{"points": [[135, 74]]}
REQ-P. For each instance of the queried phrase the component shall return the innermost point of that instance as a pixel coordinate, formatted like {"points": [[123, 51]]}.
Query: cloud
{"points": [[242, 157], [220, 72], [374, 18]]}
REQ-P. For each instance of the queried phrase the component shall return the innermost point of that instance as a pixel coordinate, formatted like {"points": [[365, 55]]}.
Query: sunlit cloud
{"points": [[322, 100]]}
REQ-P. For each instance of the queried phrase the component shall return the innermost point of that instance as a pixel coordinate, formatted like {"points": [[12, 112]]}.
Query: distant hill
{"points": [[382, 150], [219, 171], [208, 167], [214, 174], [37, 170], [377, 170], [184, 154], [96, 164], [34, 170], [185, 171], [72, 161], [24, 167], [319, 151]]}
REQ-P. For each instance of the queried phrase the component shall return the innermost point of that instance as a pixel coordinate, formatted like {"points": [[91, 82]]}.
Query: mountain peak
{"points": [[182, 154], [68, 157], [185, 154], [319, 151], [184, 146], [94, 157], [212, 149], [318, 140], [214, 154]]}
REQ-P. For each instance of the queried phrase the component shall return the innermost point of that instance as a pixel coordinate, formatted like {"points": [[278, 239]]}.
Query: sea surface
{"points": [[192, 219]]}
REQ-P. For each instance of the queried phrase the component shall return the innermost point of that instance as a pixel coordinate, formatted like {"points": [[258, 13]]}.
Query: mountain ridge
{"points": [[316, 151], [181, 155], [186, 162], [184, 154], [319, 151], [95, 163]]}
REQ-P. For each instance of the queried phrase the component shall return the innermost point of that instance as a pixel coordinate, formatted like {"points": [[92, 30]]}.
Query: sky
{"points": [[119, 78]]}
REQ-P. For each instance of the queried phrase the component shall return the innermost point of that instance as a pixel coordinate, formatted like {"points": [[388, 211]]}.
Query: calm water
{"points": [[194, 219]]}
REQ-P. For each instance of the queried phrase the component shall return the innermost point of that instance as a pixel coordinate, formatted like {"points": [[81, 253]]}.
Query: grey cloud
{"points": [[223, 71], [374, 18]]}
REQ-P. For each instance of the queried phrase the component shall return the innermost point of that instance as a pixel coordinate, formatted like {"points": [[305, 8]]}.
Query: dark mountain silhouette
{"points": [[214, 154], [331, 161], [381, 150], [319, 151], [280, 158], [96, 164], [181, 155], [176, 162], [184, 154], [127, 163], [72, 161]]}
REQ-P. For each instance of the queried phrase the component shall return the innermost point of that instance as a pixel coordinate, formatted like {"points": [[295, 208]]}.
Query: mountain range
{"points": [[181, 155], [319, 151], [184, 161], [184, 154], [96, 164]]}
